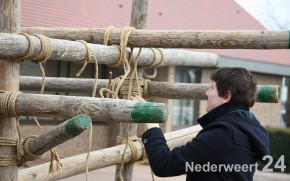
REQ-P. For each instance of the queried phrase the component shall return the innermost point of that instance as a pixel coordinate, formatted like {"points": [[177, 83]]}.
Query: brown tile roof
{"points": [[163, 14]]}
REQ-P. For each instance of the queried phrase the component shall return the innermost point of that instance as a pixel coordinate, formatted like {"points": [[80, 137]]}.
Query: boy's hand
{"points": [[148, 125], [137, 98]]}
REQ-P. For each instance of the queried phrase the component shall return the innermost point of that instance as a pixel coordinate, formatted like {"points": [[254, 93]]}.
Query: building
{"points": [[270, 66]]}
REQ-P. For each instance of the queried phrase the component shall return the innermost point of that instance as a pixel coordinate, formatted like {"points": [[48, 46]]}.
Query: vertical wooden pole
{"points": [[287, 103], [139, 21], [9, 73]]}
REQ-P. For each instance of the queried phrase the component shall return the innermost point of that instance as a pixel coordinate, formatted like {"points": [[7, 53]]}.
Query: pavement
{"points": [[142, 172]]}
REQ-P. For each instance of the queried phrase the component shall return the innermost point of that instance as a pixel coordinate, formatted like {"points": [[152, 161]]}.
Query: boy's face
{"points": [[213, 99]]}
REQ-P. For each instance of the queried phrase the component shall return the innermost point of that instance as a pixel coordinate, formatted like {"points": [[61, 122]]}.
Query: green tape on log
{"points": [[148, 112], [77, 124], [268, 94]]}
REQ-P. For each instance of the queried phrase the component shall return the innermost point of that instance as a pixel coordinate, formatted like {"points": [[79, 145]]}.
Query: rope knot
{"points": [[7, 106], [130, 141]]}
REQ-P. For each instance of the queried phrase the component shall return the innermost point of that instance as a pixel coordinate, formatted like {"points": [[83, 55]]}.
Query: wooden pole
{"points": [[99, 109], [208, 39], [102, 158], [139, 12], [60, 134], [9, 72], [266, 93], [14, 45]]}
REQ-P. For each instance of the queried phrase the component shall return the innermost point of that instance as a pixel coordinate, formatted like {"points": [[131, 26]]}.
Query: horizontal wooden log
{"points": [[14, 45], [60, 134], [208, 39], [99, 109], [266, 93], [102, 158]]}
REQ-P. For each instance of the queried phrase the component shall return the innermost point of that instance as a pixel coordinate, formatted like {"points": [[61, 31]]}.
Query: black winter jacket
{"points": [[231, 142]]}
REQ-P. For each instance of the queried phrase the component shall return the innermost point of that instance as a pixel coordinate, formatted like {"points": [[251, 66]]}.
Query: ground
{"points": [[143, 173]]}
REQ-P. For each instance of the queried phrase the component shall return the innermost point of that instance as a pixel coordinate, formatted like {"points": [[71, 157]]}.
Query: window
{"points": [[185, 111]]}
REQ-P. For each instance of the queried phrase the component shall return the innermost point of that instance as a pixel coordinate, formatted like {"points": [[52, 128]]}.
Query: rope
{"points": [[7, 160], [131, 87], [155, 64], [54, 156], [8, 141], [107, 34], [145, 89], [85, 62], [89, 150], [87, 58], [126, 86], [46, 49], [42, 57], [29, 52], [8, 100], [130, 142], [151, 65], [23, 153], [126, 31], [26, 155], [30, 47]]}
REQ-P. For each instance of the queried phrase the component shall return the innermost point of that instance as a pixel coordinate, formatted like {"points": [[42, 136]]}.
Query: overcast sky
{"points": [[267, 10]]}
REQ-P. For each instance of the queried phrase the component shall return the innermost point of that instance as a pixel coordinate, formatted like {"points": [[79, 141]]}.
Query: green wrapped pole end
{"points": [[268, 93], [149, 112], [77, 124]]}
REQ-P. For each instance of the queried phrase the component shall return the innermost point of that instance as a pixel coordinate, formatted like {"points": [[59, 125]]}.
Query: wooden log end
{"points": [[149, 112], [77, 124], [268, 94]]}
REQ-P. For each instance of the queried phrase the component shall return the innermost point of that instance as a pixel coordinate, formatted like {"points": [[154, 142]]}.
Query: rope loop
{"points": [[107, 35], [86, 60], [8, 101], [130, 141], [46, 49]]}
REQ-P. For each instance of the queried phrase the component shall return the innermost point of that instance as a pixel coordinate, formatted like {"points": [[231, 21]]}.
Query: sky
{"points": [[269, 11]]}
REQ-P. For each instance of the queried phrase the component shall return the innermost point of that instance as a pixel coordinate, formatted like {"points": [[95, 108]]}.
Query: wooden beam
{"points": [[60, 134], [208, 39], [99, 109], [9, 72], [265, 93], [139, 12], [15, 45], [102, 158]]}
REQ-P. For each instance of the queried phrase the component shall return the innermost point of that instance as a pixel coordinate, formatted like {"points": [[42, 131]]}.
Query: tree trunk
{"points": [[13, 45], [99, 109], [203, 39], [266, 93], [138, 20], [60, 134], [9, 72]]}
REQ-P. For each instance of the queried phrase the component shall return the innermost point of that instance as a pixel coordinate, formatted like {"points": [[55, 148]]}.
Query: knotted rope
{"points": [[86, 61], [125, 33], [128, 86], [8, 109], [42, 57], [130, 142], [155, 64]]}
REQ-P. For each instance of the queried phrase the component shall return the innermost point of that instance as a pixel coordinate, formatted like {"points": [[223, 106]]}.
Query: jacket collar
{"points": [[219, 111]]}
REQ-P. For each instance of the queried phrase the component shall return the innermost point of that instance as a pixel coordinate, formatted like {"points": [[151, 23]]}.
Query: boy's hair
{"points": [[239, 81]]}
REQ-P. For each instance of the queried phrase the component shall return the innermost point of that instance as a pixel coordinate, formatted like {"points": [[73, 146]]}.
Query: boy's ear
{"points": [[228, 96]]}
